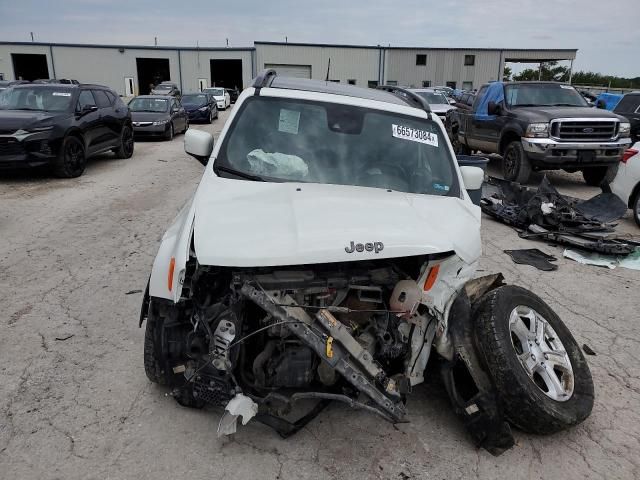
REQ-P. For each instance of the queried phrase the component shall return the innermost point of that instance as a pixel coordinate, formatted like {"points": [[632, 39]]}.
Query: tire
{"points": [[526, 404], [71, 160], [635, 206], [126, 143], [210, 118], [594, 176], [169, 134], [152, 347], [515, 164], [459, 148], [186, 126]]}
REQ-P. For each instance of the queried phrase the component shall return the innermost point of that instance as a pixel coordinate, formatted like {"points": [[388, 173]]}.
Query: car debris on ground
{"points": [[542, 213]]}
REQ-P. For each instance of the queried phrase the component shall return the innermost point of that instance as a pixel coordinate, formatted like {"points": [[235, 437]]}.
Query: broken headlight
{"points": [[537, 130]]}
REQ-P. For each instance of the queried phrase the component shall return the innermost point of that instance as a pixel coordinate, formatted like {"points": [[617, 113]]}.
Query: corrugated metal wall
{"points": [[109, 66], [359, 64], [442, 66]]}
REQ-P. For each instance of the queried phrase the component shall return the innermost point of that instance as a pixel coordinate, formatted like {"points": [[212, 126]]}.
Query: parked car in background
{"points": [[64, 81], [4, 84], [448, 91], [158, 115], [166, 88], [200, 107], [542, 126], [437, 100], [223, 99], [233, 94], [62, 126], [626, 183], [629, 107]]}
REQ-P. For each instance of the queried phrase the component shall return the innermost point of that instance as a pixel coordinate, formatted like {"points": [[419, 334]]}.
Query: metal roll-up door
{"points": [[297, 71]]}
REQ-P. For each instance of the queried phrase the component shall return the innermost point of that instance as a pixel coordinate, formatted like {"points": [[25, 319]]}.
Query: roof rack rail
{"points": [[408, 96], [264, 78]]}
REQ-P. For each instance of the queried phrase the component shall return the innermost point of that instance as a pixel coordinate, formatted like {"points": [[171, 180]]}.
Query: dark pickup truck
{"points": [[629, 107], [541, 126]]}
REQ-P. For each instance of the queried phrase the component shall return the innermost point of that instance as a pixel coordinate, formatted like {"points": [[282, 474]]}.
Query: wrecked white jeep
{"points": [[328, 251]]}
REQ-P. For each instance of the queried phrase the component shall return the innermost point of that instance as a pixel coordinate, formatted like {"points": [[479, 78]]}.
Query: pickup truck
{"points": [[541, 126], [629, 107]]}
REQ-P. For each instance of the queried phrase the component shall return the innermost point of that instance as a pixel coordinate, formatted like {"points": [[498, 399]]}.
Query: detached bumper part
{"points": [[240, 405], [472, 394]]}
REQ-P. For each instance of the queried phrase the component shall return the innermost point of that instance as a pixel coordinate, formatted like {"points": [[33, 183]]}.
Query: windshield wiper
{"points": [[565, 105], [233, 171]]}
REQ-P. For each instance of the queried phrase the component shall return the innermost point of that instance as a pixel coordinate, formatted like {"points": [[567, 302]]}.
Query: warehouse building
{"points": [[131, 70]]}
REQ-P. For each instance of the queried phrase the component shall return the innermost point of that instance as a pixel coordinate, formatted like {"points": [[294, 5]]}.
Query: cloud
{"points": [[605, 42]]}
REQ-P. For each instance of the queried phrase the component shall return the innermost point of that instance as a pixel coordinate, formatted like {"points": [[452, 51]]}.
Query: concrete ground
{"points": [[75, 402]]}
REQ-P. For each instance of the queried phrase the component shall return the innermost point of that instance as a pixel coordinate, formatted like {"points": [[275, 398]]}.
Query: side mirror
{"points": [[472, 177], [199, 145], [494, 108], [601, 104]]}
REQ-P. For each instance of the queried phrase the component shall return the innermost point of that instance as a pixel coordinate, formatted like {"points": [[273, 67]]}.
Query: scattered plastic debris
{"points": [[534, 257]]}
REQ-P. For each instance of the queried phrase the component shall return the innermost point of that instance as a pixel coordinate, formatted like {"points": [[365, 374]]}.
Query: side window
{"points": [[85, 100], [102, 101], [479, 97], [112, 97]]}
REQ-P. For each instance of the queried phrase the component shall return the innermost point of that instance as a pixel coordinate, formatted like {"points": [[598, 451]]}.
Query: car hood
{"points": [[544, 114], [12, 120], [192, 108], [148, 116], [250, 224]]}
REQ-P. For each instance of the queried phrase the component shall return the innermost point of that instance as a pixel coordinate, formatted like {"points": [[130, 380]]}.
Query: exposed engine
{"points": [[329, 332]]}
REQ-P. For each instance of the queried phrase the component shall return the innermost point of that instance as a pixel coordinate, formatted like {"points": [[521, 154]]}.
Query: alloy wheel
{"points": [[541, 353]]}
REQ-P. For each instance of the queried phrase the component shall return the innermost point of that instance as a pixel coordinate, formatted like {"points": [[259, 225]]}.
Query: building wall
{"points": [[6, 64], [442, 66], [359, 64], [196, 64], [109, 66]]}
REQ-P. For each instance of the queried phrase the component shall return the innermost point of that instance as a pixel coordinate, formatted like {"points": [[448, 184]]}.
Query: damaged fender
{"points": [[167, 274]]}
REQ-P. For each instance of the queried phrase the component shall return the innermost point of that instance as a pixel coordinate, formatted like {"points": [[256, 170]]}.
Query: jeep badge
{"points": [[376, 247]]}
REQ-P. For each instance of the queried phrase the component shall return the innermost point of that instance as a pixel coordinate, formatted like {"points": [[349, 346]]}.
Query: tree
{"points": [[506, 74], [549, 71]]}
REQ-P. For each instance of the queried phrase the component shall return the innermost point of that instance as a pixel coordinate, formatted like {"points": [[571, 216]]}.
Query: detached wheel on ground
{"points": [[126, 143], [168, 135], [515, 163], [541, 376], [595, 175], [71, 160]]}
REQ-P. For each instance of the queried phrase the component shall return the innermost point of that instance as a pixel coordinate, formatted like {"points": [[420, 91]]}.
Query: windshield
{"points": [[194, 99], [158, 105], [543, 95], [218, 92], [163, 87], [49, 99], [433, 98], [305, 141]]}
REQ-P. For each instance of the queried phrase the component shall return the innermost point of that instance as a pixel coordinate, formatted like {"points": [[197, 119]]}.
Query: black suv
{"points": [[61, 126]]}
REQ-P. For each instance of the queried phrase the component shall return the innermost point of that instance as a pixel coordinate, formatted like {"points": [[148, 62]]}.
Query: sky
{"points": [[607, 40]]}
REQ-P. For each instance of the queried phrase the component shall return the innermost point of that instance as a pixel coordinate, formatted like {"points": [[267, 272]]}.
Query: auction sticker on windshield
{"points": [[61, 94], [289, 121], [414, 135]]}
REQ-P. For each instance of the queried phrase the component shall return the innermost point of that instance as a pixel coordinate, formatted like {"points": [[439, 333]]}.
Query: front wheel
{"points": [[541, 376], [515, 164], [71, 160], [168, 135], [594, 176]]}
